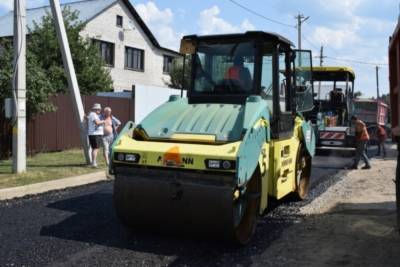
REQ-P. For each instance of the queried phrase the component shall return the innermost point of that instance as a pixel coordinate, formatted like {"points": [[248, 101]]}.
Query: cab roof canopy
{"points": [[188, 42], [333, 74]]}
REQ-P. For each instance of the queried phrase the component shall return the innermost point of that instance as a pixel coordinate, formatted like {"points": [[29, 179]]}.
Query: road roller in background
{"points": [[333, 107], [207, 163]]}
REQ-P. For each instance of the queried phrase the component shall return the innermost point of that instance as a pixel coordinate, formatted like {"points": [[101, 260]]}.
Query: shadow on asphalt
{"points": [[94, 221]]}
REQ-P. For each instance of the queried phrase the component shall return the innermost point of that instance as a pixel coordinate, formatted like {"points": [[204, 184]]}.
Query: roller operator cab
{"points": [[333, 107], [206, 164]]}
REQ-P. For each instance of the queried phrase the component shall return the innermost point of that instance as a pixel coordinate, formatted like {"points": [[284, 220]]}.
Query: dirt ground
{"points": [[352, 223]]}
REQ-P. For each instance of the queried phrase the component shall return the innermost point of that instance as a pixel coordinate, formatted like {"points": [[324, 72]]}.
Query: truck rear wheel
{"points": [[303, 173], [246, 210]]}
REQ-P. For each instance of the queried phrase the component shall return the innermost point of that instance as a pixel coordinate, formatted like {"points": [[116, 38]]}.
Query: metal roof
{"points": [[87, 10], [248, 34], [338, 70]]}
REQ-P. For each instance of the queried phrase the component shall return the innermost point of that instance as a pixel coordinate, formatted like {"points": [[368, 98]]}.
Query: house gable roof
{"points": [[88, 9]]}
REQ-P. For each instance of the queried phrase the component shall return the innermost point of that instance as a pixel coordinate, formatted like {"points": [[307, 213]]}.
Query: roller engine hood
{"points": [[177, 117]]}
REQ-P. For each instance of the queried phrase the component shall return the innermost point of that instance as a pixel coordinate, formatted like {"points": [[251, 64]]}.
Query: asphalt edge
{"points": [[58, 184]]}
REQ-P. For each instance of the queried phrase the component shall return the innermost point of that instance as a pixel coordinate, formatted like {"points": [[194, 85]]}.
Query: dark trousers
{"points": [[361, 154], [381, 148]]}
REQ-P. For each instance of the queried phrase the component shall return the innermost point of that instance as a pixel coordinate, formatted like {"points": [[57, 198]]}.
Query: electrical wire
{"points": [[344, 59], [309, 42], [305, 38], [260, 15], [358, 61]]}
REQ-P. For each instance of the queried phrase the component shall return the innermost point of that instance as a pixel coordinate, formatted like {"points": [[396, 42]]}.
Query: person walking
{"points": [[362, 138], [381, 136], [111, 125], [95, 131]]}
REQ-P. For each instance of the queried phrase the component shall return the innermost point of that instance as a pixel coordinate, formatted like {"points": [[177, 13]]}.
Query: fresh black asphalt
{"points": [[79, 227]]}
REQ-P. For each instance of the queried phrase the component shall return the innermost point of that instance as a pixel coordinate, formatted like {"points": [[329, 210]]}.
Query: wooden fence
{"points": [[56, 131]]}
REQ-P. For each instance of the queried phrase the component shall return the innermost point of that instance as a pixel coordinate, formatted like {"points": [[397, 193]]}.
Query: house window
{"points": [[106, 51], [120, 21], [134, 58], [167, 66]]}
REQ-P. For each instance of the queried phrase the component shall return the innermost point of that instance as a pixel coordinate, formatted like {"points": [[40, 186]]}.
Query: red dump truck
{"points": [[394, 80], [373, 112]]}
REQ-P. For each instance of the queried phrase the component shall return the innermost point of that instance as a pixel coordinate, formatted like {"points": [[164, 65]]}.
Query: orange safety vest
{"points": [[361, 131], [233, 73]]}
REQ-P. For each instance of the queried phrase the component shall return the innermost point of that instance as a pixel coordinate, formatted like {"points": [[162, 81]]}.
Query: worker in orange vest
{"points": [[362, 138], [238, 72]]}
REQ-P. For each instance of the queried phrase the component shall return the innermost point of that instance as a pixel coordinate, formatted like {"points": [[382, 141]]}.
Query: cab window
{"points": [[266, 76], [224, 68]]}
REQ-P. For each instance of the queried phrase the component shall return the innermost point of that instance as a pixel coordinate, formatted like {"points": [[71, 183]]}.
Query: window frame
{"points": [[99, 44], [118, 19], [142, 53], [169, 68]]}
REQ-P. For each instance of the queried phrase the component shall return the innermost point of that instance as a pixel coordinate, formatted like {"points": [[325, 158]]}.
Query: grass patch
{"points": [[48, 166]]}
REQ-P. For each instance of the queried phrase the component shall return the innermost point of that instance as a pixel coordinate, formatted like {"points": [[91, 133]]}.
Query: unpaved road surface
{"points": [[352, 223], [334, 226]]}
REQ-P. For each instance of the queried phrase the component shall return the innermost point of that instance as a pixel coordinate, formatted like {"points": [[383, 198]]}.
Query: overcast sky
{"points": [[355, 30]]}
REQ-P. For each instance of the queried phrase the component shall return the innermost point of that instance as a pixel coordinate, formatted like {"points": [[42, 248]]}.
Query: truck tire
{"points": [[303, 173]]}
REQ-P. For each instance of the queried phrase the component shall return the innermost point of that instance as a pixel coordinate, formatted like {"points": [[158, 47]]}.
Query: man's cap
{"points": [[96, 106]]}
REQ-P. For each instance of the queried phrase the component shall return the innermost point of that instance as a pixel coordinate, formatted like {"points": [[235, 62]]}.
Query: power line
{"points": [[260, 15], [305, 38], [310, 43], [357, 61], [345, 59]]}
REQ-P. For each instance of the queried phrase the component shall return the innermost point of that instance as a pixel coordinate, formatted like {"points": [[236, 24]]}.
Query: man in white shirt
{"points": [[95, 131]]}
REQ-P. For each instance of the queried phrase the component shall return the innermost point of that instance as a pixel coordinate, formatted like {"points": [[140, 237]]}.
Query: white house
{"points": [[128, 47]]}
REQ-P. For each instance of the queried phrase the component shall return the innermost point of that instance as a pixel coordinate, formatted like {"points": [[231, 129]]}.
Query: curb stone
{"points": [[59, 184]]}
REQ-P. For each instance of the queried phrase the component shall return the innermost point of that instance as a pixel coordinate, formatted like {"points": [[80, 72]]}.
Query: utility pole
{"points": [[19, 88], [300, 20], [71, 76], [321, 56], [377, 82], [321, 62]]}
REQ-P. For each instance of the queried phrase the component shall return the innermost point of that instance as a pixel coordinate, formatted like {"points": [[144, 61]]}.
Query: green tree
{"points": [[177, 79], [357, 94], [45, 72]]}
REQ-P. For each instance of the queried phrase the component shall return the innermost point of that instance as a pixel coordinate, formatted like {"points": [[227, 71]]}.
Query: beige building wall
{"points": [[103, 27]]}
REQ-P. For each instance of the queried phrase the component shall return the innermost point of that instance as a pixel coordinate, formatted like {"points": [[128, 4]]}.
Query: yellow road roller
{"points": [[207, 163]]}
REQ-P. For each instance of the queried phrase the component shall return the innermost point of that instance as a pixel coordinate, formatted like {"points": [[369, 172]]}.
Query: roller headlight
{"points": [[214, 164], [218, 164], [127, 157], [226, 164], [120, 157], [131, 157]]}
